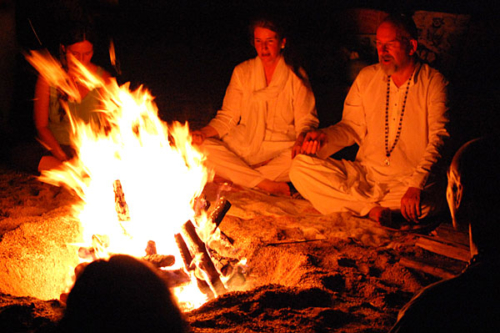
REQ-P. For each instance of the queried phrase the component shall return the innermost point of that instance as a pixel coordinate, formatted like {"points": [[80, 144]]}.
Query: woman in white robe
{"points": [[267, 109]]}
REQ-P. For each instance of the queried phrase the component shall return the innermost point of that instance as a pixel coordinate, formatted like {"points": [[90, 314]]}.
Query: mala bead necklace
{"points": [[400, 125]]}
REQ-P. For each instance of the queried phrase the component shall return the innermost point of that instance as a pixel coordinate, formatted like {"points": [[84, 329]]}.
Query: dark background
{"points": [[184, 53]]}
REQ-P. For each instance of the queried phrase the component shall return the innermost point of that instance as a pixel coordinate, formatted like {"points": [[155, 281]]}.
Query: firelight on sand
{"points": [[161, 174]]}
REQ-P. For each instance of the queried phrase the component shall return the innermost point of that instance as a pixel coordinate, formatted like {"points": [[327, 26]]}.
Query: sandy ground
{"points": [[305, 272]]}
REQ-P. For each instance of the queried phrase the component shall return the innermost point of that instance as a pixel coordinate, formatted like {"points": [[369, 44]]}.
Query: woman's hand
{"points": [[199, 136], [297, 147]]}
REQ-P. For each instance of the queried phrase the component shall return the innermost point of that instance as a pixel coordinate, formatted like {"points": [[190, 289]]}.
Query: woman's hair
{"points": [[75, 34], [78, 33], [122, 294], [268, 22]]}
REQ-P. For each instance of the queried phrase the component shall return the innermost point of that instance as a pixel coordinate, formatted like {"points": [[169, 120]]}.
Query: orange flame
{"points": [[160, 173]]}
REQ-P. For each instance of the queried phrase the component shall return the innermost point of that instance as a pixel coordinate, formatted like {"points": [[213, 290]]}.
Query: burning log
{"points": [[223, 265], [121, 206], [151, 248], [157, 260], [216, 216], [201, 204], [160, 260], [189, 264], [206, 269], [219, 211], [183, 249], [207, 265]]}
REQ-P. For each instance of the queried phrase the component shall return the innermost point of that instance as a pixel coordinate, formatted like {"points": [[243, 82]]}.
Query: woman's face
{"points": [[267, 45], [81, 51]]}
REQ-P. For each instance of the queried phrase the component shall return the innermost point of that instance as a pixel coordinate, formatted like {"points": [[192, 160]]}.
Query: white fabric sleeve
{"points": [[304, 104], [437, 110], [230, 113]]}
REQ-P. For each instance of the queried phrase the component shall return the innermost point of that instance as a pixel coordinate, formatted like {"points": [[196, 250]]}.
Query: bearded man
{"points": [[396, 111]]}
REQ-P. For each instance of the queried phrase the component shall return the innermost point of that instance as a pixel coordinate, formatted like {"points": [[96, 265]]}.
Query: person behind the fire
{"points": [[267, 109], [122, 295], [396, 111], [468, 302], [51, 121]]}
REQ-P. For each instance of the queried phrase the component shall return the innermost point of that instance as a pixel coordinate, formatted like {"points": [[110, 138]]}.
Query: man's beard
{"points": [[389, 68]]}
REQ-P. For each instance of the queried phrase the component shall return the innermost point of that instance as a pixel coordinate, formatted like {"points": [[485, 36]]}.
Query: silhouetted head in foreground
{"points": [[474, 193], [467, 302], [122, 294]]}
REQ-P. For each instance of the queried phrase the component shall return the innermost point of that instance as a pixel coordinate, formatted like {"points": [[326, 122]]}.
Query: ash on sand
{"points": [[305, 272]]}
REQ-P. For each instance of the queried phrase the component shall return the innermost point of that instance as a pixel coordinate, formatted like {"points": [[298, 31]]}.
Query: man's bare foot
{"points": [[276, 188], [382, 215]]}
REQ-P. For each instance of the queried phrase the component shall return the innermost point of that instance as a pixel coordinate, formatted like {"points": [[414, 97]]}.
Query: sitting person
{"points": [[267, 109], [469, 301], [122, 294], [396, 111], [51, 120]]}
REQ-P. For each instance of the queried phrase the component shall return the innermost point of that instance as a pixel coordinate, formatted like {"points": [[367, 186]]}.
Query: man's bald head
{"points": [[474, 190]]}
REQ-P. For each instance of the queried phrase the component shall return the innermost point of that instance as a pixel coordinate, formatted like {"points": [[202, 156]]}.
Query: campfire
{"points": [[140, 182]]}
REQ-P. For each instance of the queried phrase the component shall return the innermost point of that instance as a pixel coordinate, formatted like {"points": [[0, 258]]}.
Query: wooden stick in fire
{"points": [[219, 211], [202, 259], [217, 215], [188, 264], [158, 260], [121, 206]]}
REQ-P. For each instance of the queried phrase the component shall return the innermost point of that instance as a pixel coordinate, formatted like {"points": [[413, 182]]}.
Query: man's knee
{"points": [[297, 166]]}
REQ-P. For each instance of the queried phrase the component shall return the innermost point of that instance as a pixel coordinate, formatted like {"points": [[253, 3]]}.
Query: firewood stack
{"points": [[196, 254], [200, 261]]}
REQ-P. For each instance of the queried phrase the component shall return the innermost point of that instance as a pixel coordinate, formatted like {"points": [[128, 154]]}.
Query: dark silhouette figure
{"points": [[122, 294], [468, 302]]}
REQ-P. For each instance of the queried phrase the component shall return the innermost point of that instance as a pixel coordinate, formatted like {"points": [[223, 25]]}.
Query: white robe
{"points": [[335, 186], [260, 123]]}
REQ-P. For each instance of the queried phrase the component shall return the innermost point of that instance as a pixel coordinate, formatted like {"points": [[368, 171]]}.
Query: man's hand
{"points": [[313, 142], [410, 204]]}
